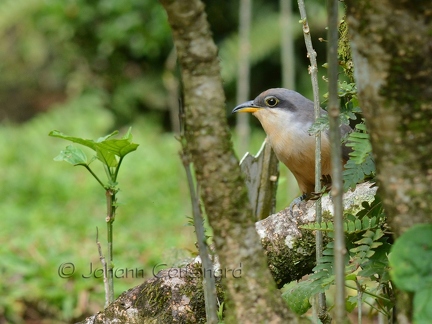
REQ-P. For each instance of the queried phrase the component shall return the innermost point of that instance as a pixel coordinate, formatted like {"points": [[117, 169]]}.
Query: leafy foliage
{"points": [[350, 226], [361, 164], [43, 217], [411, 268], [62, 49], [349, 109], [366, 262], [108, 150]]}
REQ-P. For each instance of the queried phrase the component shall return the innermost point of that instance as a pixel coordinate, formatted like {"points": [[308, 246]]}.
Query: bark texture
{"points": [[176, 296], [253, 297], [391, 44]]}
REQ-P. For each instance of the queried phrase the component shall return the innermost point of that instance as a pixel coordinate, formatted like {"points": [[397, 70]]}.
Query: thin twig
{"points": [[287, 45], [375, 296], [110, 198], [104, 268], [336, 155], [209, 285], [288, 71], [313, 71], [118, 168], [359, 302], [94, 175], [243, 72]]}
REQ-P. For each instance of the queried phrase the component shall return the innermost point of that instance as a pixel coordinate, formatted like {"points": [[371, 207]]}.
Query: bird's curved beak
{"points": [[248, 106]]}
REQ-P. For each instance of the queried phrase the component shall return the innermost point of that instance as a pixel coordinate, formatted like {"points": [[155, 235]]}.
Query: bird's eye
{"points": [[271, 101]]}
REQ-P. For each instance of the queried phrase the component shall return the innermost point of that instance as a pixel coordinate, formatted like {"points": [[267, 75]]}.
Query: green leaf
{"points": [[101, 139], [360, 248], [370, 253], [326, 259], [85, 142], [297, 296], [361, 164], [411, 259], [106, 157], [366, 222], [321, 124], [351, 227], [107, 149], [351, 303], [374, 245], [364, 240], [378, 234], [119, 147], [72, 155], [423, 305], [358, 225]]}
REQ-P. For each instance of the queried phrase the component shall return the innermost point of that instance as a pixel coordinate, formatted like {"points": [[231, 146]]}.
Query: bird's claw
{"points": [[297, 201], [315, 195], [305, 196]]}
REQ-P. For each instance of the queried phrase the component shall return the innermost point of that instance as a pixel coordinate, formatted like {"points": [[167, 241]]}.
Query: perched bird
{"points": [[286, 117]]}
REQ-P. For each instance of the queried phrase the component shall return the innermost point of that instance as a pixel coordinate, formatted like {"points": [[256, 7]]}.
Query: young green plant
{"points": [[110, 152]]}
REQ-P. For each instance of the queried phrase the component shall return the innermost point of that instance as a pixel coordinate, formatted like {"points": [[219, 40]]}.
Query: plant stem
{"points": [[336, 159], [209, 285], [111, 199], [117, 169], [104, 268], [369, 293], [94, 175], [313, 71], [359, 302]]}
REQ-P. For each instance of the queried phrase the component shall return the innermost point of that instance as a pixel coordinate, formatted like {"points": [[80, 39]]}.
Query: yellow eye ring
{"points": [[271, 101]]}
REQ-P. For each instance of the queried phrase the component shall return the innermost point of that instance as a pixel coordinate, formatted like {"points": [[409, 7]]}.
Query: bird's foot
{"points": [[305, 197], [297, 201], [326, 181], [315, 195]]}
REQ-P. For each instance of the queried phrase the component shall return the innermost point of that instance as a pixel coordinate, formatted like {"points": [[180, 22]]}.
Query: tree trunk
{"points": [[391, 47], [253, 297]]}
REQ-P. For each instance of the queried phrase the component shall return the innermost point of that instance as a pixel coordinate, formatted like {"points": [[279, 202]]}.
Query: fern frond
{"points": [[323, 226], [359, 141], [350, 226], [367, 245], [361, 164]]}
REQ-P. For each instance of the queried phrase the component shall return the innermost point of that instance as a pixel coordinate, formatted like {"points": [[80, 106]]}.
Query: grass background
{"points": [[50, 211]]}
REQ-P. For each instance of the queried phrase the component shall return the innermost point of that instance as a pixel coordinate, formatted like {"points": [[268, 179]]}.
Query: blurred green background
{"points": [[87, 68]]}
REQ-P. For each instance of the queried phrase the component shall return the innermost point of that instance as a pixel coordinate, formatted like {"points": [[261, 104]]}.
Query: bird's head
{"points": [[276, 98], [279, 103]]}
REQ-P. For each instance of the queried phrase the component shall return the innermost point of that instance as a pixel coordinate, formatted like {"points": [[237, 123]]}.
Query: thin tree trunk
{"points": [[253, 297], [288, 74], [243, 72], [391, 45]]}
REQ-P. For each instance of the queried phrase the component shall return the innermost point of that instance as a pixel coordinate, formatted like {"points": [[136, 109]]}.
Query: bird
{"points": [[286, 117]]}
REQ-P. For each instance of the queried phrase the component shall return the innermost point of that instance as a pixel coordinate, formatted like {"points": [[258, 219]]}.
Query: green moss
{"points": [[344, 51], [288, 264]]}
